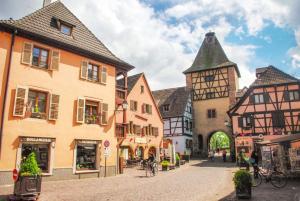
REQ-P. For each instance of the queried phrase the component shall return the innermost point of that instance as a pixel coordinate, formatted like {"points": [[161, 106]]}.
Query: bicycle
{"points": [[276, 178], [152, 168]]}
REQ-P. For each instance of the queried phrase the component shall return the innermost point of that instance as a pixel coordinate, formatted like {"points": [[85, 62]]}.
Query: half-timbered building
{"points": [[269, 109], [213, 81], [176, 109]]}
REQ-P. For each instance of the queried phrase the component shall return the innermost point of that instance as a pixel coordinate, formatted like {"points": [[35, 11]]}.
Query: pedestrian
{"points": [[254, 162], [211, 155], [224, 153]]}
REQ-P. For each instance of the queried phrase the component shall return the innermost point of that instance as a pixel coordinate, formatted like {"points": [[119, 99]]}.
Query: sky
{"points": [[162, 37]]}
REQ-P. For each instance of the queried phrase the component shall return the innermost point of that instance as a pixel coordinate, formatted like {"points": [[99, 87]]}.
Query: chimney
{"points": [[46, 3]]}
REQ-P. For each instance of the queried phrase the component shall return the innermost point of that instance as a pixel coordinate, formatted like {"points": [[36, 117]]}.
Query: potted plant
{"points": [[242, 183], [29, 180], [165, 165], [177, 157]]}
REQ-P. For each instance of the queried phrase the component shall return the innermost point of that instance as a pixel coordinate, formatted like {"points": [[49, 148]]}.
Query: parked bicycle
{"points": [[151, 168], [278, 179]]}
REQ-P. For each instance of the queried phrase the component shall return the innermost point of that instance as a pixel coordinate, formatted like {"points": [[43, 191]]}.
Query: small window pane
{"points": [[65, 29], [35, 56]]}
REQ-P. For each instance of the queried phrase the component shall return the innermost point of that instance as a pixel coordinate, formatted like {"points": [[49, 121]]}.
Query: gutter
{"points": [[13, 34]]}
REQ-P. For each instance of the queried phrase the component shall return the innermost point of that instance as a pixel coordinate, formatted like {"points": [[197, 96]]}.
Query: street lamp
{"points": [[124, 105]]}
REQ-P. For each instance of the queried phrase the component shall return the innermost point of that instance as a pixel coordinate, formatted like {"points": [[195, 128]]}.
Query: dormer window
{"points": [[65, 29], [166, 108]]}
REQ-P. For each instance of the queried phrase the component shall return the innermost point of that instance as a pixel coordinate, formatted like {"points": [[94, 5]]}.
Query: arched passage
{"points": [[219, 141]]}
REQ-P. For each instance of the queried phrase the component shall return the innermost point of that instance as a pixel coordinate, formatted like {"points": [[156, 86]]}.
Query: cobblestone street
{"points": [[197, 180]]}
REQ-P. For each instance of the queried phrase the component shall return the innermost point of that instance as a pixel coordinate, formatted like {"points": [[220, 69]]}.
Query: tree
{"points": [[219, 140]]}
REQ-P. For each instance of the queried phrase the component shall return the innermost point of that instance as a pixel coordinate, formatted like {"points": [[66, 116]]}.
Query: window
{"points": [[42, 154], [259, 98], [209, 78], [211, 113], [137, 129], [65, 29], [37, 102], [166, 108], [191, 126], [133, 105], [278, 119], [210, 95], [93, 72], [245, 122], [86, 157], [40, 57], [190, 110], [148, 108], [291, 95], [155, 131], [91, 112], [142, 89], [186, 125]]}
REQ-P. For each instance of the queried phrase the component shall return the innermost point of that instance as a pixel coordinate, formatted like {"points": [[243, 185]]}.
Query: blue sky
{"points": [[162, 37]]}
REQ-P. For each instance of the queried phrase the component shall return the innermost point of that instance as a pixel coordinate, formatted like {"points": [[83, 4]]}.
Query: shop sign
{"points": [[140, 140], [87, 141], [36, 139]]}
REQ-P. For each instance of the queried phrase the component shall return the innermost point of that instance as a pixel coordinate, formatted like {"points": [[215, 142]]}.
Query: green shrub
{"points": [[29, 166], [177, 157], [165, 163], [242, 179]]}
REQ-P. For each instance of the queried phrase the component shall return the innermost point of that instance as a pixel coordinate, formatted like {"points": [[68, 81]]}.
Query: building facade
{"points": [[57, 96], [142, 133], [269, 109], [176, 108], [213, 81]]}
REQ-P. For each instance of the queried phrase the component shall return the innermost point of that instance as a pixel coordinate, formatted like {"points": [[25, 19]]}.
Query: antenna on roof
{"points": [[46, 3]]}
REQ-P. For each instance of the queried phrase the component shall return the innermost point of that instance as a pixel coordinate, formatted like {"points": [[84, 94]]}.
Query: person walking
{"points": [[224, 153], [254, 162]]}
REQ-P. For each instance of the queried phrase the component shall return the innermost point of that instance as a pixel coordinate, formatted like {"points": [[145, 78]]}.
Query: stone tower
{"points": [[213, 81]]}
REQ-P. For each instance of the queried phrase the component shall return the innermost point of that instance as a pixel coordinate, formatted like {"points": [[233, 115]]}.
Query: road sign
{"points": [[106, 151], [15, 175], [106, 143]]}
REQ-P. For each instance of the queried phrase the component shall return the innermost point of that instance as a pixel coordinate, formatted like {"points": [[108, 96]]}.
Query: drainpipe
{"points": [[6, 87]]}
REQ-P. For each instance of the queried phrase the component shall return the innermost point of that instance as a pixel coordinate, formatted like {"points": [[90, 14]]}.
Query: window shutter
{"points": [[20, 101], [131, 105], [103, 75], [150, 109], [143, 108], [131, 127], [27, 53], [55, 57], [99, 116], [150, 129], [252, 121], [54, 105], [104, 119], [80, 110], [84, 69], [286, 95], [266, 97], [251, 99], [240, 122]]}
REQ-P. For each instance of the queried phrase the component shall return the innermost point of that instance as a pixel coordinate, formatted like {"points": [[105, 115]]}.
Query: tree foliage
{"points": [[29, 166], [219, 140]]}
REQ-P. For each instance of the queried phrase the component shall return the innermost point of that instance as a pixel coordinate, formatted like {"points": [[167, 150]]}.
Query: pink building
{"points": [[269, 109]]}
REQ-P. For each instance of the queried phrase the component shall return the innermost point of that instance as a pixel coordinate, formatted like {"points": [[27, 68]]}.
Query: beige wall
{"points": [[143, 119], [65, 82]]}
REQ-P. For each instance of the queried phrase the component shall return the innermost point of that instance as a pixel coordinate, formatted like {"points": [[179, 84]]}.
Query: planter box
{"points": [[164, 168], [28, 185], [243, 193], [177, 164]]}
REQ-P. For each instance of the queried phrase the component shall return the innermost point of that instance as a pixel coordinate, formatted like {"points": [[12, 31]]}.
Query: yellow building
{"points": [[213, 80], [57, 96]]}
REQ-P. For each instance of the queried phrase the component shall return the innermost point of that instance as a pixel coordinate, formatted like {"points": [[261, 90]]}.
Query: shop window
{"points": [[91, 112], [86, 157], [37, 102], [42, 154], [40, 57], [93, 72]]}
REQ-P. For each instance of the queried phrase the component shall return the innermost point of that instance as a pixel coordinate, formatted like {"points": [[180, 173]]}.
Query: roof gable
{"points": [[176, 98], [271, 75], [210, 55], [42, 23]]}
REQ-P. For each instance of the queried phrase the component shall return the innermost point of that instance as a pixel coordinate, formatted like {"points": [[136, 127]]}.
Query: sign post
{"points": [[106, 154]]}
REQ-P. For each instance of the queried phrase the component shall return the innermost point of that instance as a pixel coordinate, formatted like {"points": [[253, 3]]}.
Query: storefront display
{"points": [[42, 154], [86, 156]]}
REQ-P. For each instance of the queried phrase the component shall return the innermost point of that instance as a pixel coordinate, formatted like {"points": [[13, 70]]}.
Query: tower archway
{"points": [[219, 141]]}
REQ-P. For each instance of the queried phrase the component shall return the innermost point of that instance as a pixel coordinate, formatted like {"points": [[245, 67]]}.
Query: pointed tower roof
{"points": [[43, 25], [210, 55]]}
